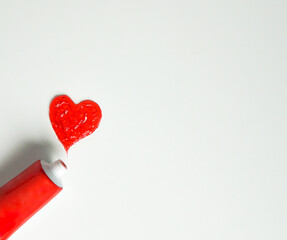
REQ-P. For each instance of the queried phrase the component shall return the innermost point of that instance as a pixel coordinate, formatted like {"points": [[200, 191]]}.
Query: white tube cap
{"points": [[58, 168], [55, 171]]}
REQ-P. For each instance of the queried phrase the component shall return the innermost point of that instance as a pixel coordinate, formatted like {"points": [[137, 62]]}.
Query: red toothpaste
{"points": [[32, 189], [27, 193]]}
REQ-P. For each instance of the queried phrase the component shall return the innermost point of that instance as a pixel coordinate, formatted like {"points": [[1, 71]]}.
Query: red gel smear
{"points": [[23, 196], [72, 122]]}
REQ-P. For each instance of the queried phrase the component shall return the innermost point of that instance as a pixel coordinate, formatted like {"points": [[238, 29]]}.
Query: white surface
{"points": [[192, 144]]}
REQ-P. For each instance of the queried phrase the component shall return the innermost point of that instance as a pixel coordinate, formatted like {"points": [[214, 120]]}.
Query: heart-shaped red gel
{"points": [[72, 122]]}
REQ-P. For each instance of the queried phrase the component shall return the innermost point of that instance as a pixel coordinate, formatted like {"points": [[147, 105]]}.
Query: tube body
{"points": [[23, 196]]}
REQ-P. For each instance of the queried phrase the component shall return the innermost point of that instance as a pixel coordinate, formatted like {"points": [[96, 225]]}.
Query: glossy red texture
{"points": [[23, 196], [72, 122]]}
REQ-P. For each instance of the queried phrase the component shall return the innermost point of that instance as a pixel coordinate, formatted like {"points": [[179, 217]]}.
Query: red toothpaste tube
{"points": [[27, 193]]}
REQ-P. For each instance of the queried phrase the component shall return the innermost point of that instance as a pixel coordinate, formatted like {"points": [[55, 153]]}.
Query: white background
{"points": [[192, 143]]}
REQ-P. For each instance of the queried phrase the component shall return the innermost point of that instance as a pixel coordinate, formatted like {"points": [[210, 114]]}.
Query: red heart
{"points": [[72, 122]]}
